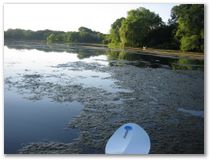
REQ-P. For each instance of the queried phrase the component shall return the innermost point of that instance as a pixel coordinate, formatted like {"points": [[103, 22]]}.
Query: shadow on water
{"points": [[142, 60]]}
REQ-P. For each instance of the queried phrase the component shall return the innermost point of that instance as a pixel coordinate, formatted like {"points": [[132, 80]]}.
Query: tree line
{"points": [[141, 27], [84, 35]]}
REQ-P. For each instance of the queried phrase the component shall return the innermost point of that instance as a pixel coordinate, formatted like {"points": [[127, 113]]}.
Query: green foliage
{"points": [[190, 43], [141, 27], [137, 26], [51, 38], [72, 37], [163, 37], [190, 32], [59, 38], [20, 34], [106, 39], [85, 35], [114, 33], [185, 29]]}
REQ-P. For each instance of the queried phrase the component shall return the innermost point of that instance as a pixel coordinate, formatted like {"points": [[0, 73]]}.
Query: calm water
{"points": [[27, 121], [31, 120], [27, 65]]}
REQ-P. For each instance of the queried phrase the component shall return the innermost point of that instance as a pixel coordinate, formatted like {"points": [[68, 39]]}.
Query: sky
{"points": [[69, 17]]}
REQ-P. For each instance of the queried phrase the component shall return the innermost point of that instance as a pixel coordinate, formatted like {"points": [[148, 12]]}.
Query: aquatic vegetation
{"points": [[147, 96]]}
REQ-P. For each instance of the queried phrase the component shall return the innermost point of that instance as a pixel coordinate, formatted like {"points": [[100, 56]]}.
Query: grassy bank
{"points": [[169, 53], [151, 51]]}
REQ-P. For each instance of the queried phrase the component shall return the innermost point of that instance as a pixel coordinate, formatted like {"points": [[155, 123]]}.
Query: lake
{"points": [[70, 98]]}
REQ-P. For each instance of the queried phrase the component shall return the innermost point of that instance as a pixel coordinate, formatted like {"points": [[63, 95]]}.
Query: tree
{"points": [[20, 34], [84, 35], [137, 25], [190, 32], [89, 36], [163, 37], [51, 38], [115, 32], [72, 37], [56, 37]]}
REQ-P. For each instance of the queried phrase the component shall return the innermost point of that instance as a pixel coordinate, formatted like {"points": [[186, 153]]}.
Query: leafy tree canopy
{"points": [[137, 25], [190, 31]]}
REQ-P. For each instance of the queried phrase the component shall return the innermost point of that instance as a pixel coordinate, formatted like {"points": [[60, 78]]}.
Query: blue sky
{"points": [[69, 17]]}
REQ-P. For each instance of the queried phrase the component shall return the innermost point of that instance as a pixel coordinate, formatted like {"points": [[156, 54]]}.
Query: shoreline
{"points": [[164, 53]]}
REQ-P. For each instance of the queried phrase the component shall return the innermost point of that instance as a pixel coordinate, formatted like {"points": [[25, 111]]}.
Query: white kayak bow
{"points": [[130, 138]]}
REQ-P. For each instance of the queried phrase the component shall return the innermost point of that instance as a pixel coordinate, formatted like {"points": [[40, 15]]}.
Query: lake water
{"points": [[37, 112], [30, 120]]}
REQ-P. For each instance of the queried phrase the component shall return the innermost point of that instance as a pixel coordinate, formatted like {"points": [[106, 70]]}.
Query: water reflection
{"points": [[188, 64], [48, 85], [143, 60], [115, 57], [81, 51], [44, 91]]}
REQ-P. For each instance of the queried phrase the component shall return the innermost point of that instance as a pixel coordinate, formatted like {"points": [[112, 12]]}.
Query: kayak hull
{"points": [[130, 138]]}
